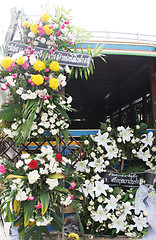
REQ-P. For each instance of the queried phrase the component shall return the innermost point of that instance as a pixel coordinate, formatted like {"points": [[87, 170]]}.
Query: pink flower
{"points": [[14, 75], [32, 51], [25, 51], [66, 22], [73, 184], [30, 198], [41, 31], [7, 101], [29, 81], [3, 89], [42, 96], [2, 169], [47, 70], [38, 206], [25, 65], [13, 65], [9, 69], [46, 79], [58, 33], [63, 26], [71, 197]]}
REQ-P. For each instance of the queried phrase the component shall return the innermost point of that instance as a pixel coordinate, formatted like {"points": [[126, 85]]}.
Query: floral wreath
{"points": [[108, 210]]}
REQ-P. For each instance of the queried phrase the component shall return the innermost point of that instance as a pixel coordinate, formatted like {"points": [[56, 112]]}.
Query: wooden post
{"points": [[153, 94]]}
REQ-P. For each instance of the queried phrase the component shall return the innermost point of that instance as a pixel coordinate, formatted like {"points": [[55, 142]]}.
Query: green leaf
{"points": [[28, 211], [28, 233], [81, 49], [143, 127], [57, 210], [97, 51], [19, 220], [44, 197], [8, 114], [85, 74], [75, 49], [56, 225], [17, 206], [57, 175], [16, 176], [9, 216], [29, 112], [37, 234], [80, 71], [58, 12], [76, 73], [57, 218], [80, 223], [60, 189], [45, 230], [63, 112], [89, 49], [65, 134]]}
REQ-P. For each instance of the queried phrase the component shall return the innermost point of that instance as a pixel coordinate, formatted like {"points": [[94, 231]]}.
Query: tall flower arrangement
{"points": [[35, 186], [34, 105], [108, 210]]}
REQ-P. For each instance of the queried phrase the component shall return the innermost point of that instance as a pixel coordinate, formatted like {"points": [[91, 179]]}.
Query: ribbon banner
{"points": [[130, 180], [64, 58]]}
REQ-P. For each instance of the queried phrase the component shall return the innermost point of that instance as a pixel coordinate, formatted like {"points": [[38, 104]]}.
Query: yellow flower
{"points": [[39, 65], [45, 17], [26, 24], [53, 83], [37, 79], [6, 62], [73, 236], [34, 28], [48, 30], [20, 61], [54, 66]]}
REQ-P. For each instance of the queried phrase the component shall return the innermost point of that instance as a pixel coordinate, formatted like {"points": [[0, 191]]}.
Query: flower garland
{"points": [[110, 210]]}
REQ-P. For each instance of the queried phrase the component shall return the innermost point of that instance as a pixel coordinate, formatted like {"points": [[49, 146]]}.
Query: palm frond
{"points": [[81, 35]]}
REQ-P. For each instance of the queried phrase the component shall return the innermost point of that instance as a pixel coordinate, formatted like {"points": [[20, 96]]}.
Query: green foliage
{"points": [[80, 224], [45, 198], [8, 114], [86, 72], [81, 34], [28, 211], [29, 112]]}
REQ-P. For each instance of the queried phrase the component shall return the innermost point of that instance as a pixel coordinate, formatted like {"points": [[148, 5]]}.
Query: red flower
{"points": [[33, 164], [58, 157]]}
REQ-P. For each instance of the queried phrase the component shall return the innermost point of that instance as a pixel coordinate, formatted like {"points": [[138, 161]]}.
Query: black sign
{"points": [[64, 58], [130, 180], [15, 47], [73, 59]]}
